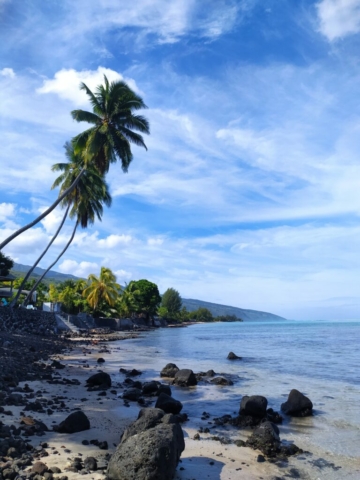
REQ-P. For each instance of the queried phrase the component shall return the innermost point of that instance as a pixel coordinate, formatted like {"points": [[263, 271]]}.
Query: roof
{"points": [[8, 277]]}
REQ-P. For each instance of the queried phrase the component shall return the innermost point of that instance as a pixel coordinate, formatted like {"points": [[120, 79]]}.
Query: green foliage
{"points": [[171, 300], [201, 315], [6, 264], [114, 126], [145, 297], [102, 289], [227, 318]]}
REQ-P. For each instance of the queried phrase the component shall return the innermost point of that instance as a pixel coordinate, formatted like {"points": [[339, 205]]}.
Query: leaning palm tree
{"points": [[114, 125], [87, 201], [114, 129], [102, 288], [70, 171]]}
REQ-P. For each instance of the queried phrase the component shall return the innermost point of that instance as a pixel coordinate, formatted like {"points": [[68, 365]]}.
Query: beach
{"points": [[213, 455], [109, 416]]}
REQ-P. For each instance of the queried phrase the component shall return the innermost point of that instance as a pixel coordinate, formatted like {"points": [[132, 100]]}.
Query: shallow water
{"points": [[321, 359]]}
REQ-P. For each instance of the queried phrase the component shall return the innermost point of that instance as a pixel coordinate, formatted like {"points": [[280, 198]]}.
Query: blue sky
{"points": [[248, 194]]}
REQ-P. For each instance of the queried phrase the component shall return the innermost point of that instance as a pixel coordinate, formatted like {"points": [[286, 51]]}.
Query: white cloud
{"points": [[114, 240], [66, 83], [122, 276], [339, 18], [52, 221], [168, 21], [79, 269], [6, 210], [7, 72]]}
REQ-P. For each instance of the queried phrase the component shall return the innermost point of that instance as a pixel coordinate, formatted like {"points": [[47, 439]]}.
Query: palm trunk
{"points": [[43, 215], [12, 304], [27, 299]]}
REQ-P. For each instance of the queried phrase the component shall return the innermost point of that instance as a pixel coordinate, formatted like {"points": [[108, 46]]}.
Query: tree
{"points": [[108, 140], [202, 315], [86, 199], [146, 297], [6, 264], [114, 125], [102, 288], [171, 300]]}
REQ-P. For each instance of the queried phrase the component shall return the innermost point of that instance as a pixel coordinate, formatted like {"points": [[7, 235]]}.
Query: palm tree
{"points": [[102, 288], [115, 127], [22, 286], [86, 199]]}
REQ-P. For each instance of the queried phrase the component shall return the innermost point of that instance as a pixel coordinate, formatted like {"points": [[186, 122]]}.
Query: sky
{"points": [[248, 194]]}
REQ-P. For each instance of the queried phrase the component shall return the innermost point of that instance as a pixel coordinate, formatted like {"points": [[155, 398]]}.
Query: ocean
{"points": [[319, 358]]}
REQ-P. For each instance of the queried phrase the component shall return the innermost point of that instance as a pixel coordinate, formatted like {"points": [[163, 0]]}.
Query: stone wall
{"points": [[35, 322]]}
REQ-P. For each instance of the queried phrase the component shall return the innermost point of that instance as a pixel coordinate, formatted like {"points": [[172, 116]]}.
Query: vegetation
{"points": [[145, 297], [171, 304], [6, 264], [115, 127]]}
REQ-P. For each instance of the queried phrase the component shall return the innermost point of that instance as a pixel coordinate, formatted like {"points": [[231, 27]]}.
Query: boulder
{"points": [[265, 438], [164, 389], [232, 356], [150, 455], [297, 405], [168, 404], [221, 381], [150, 388], [169, 370], [147, 418], [99, 379], [254, 405], [132, 394], [185, 378], [75, 422]]}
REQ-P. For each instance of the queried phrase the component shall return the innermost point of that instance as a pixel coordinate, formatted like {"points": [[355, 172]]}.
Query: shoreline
{"points": [[109, 415]]}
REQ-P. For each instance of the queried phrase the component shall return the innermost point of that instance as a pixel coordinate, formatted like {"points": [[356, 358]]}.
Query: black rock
{"points": [[75, 422], [185, 378], [99, 379], [168, 404], [169, 370], [232, 356], [254, 405], [297, 405]]}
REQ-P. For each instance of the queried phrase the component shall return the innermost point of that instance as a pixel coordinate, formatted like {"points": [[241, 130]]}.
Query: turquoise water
{"points": [[321, 359]]}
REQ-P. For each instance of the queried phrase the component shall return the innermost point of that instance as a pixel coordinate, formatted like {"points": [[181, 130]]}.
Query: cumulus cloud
{"points": [[6, 210], [114, 240], [52, 221], [79, 269], [122, 276], [7, 72], [339, 18], [66, 83]]}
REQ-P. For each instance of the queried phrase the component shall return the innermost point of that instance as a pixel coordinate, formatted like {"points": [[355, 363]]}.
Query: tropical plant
{"points": [[115, 127], [171, 300], [6, 264], [86, 199], [146, 297], [102, 288]]}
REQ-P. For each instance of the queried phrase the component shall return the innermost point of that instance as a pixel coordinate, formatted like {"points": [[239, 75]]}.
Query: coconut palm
{"points": [[86, 199], [115, 125], [114, 129], [102, 288]]}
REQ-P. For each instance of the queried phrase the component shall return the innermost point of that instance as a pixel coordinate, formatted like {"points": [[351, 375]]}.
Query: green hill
{"points": [[217, 309]]}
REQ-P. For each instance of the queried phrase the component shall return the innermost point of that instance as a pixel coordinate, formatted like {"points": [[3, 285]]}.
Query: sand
{"points": [[109, 416]]}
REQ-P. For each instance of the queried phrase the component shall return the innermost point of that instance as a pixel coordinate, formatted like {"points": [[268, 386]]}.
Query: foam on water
{"points": [[318, 358]]}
